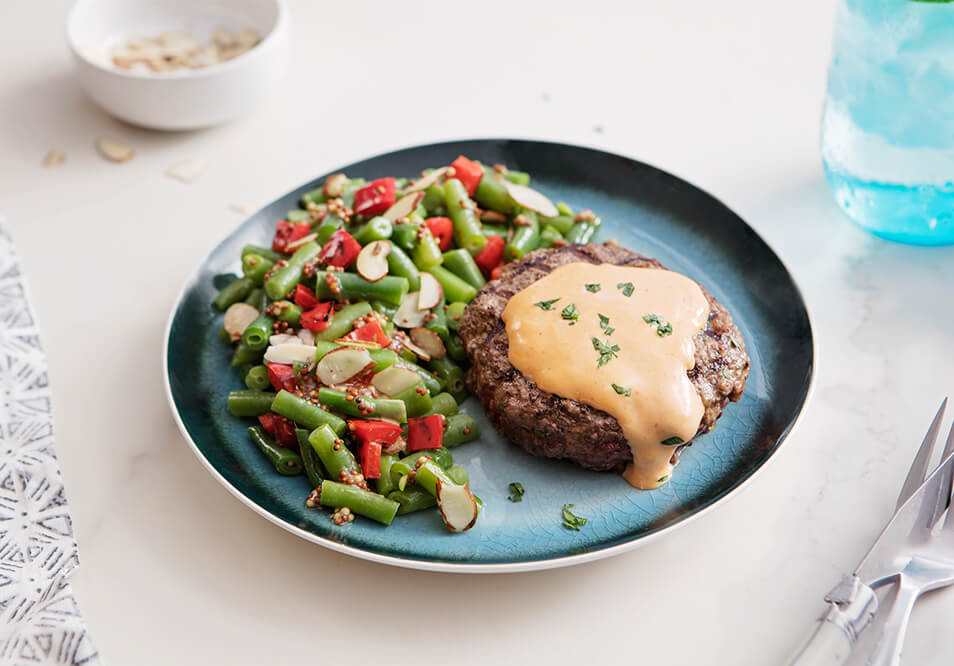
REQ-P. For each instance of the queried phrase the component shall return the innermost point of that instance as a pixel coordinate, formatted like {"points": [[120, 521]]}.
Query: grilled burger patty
{"points": [[547, 425]]}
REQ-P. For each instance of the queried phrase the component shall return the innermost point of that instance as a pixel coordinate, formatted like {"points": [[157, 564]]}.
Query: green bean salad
{"points": [[345, 331]]}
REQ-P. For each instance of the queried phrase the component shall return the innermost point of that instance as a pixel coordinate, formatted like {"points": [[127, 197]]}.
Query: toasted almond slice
{"points": [[425, 182], [341, 364], [457, 506], [294, 245], [394, 379], [306, 336], [393, 449], [372, 263], [114, 151], [531, 199], [222, 37], [409, 314], [334, 185], [431, 292], [420, 352], [492, 216], [204, 57], [186, 171], [247, 38], [237, 319], [282, 338], [363, 344], [54, 158], [404, 206], [289, 353], [429, 341], [244, 207]]}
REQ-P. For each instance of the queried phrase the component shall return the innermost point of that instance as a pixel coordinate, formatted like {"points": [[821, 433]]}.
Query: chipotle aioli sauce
{"points": [[652, 317]]}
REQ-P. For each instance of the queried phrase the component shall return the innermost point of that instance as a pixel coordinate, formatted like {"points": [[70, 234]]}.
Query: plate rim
{"points": [[492, 567]]}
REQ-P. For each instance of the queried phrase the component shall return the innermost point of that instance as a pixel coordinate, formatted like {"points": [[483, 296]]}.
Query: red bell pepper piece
{"points": [[280, 428], [281, 376], [495, 273], [490, 255], [468, 173], [442, 228], [426, 432], [383, 432], [286, 232], [370, 332], [374, 198], [318, 318], [304, 297], [340, 250], [370, 455]]}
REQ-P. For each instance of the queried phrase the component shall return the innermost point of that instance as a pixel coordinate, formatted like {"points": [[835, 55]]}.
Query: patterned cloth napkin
{"points": [[40, 621]]}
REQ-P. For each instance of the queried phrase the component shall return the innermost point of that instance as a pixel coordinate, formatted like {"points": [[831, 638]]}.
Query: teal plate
{"points": [[646, 210]]}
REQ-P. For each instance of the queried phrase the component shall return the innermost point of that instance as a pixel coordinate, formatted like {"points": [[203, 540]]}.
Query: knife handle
{"points": [[826, 645]]}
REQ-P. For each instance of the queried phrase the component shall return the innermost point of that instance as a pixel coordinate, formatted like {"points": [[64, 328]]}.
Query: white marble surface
{"points": [[726, 94]]}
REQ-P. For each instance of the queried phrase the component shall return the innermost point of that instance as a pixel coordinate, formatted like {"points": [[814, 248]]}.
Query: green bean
{"points": [[362, 406], [467, 232], [458, 475], [298, 215], [454, 312], [352, 186], [285, 461], [337, 459], [400, 264], [461, 263], [501, 230], [285, 278], [564, 209], [250, 403], [412, 499], [343, 320], [225, 336], [443, 403], [438, 321], [315, 196], [256, 334], [375, 229], [245, 355], [314, 469], [460, 428], [329, 224], [384, 484], [452, 375], [257, 378], [427, 252], [434, 384], [526, 237], [561, 223], [383, 358], [433, 198], [549, 235], [267, 252], [255, 266], [427, 475], [234, 292], [455, 348], [416, 399], [288, 312], [455, 289], [404, 236], [257, 299], [306, 413], [362, 502], [517, 177], [583, 231], [383, 308], [390, 289], [492, 193], [441, 456]]}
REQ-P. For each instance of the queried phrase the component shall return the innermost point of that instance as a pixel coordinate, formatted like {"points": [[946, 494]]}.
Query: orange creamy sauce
{"points": [[562, 358]]}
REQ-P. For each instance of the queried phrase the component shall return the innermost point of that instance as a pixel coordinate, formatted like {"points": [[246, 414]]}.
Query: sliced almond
{"points": [[393, 449], [457, 506], [247, 38], [531, 199], [307, 337], [409, 314], [237, 319], [54, 158], [341, 364], [492, 216], [429, 341], [364, 344], [289, 353], [283, 338], [431, 292], [222, 37], [294, 245], [334, 185], [114, 151], [425, 182], [404, 206], [244, 207], [186, 171], [394, 379], [420, 352], [372, 263]]}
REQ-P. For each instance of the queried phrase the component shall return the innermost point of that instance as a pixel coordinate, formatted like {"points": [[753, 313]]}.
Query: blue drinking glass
{"points": [[888, 124]]}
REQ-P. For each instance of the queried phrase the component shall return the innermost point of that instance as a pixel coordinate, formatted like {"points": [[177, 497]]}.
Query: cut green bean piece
{"points": [[256, 334], [267, 252], [250, 403], [314, 468], [390, 289], [458, 475], [492, 193], [255, 266], [400, 264], [257, 299], [362, 406], [441, 456], [224, 336], [583, 231], [455, 289], [526, 237], [427, 252], [412, 499], [314, 196], [234, 292], [454, 313], [257, 378], [443, 403], [337, 459], [416, 399], [438, 321], [461, 263], [285, 278], [329, 224], [287, 312], [383, 308], [452, 375], [343, 321], [517, 177], [434, 384], [467, 233], [562, 223], [384, 484], [427, 475], [564, 209], [306, 413], [501, 230], [362, 502], [549, 236], [375, 229], [460, 428], [433, 198], [245, 355], [298, 215], [284, 460], [455, 348]]}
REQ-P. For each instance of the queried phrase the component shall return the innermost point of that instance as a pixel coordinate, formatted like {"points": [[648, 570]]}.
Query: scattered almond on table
{"points": [[54, 158], [170, 51], [186, 171], [114, 151], [243, 207]]}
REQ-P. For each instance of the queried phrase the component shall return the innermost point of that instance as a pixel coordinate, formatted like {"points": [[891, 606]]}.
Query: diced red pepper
{"points": [[370, 332], [374, 198], [370, 455], [383, 432], [287, 232], [468, 173], [280, 428], [318, 318], [281, 376], [495, 273], [442, 228], [426, 432], [304, 297], [340, 250], [490, 255]]}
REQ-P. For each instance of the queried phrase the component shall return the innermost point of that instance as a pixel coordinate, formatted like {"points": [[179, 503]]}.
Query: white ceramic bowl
{"points": [[181, 99]]}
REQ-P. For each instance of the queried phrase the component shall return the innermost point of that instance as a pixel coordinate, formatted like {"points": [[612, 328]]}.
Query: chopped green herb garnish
{"points": [[622, 390], [627, 288], [607, 353], [663, 328], [570, 312], [604, 324], [593, 287], [546, 305], [516, 492], [570, 520], [734, 342], [663, 479], [672, 441], [652, 319]]}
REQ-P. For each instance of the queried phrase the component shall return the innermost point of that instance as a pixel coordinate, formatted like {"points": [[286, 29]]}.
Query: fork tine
{"points": [[948, 448], [922, 461]]}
